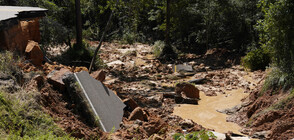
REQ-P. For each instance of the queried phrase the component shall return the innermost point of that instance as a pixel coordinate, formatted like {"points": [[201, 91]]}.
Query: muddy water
{"points": [[205, 113]]}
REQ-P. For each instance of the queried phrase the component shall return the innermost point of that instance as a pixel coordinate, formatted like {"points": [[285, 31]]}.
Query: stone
{"points": [[130, 103], [187, 123], [55, 78], [34, 53], [139, 114], [154, 126], [261, 135], [99, 75], [155, 101], [231, 111], [186, 100], [210, 93], [188, 90], [199, 81]]}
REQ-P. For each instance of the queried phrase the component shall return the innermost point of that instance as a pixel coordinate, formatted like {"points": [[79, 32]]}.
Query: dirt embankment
{"points": [[268, 115]]}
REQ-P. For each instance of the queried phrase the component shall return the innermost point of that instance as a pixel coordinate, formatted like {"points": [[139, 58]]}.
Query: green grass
{"points": [[21, 117], [277, 80], [198, 135], [7, 63], [157, 48]]}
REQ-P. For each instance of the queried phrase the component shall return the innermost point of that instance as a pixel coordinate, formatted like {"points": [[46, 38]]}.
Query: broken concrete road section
{"points": [[97, 102]]}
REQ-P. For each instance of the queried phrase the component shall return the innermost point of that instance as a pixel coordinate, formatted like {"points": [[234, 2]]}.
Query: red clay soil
{"points": [[259, 116], [55, 105]]}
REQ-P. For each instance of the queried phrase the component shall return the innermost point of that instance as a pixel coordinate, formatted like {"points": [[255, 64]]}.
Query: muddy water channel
{"points": [[206, 115]]}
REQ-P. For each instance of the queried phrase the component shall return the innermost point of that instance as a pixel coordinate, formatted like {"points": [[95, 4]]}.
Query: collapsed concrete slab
{"points": [[182, 67], [102, 107]]}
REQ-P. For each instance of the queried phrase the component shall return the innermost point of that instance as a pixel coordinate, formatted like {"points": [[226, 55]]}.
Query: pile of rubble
{"points": [[148, 89]]}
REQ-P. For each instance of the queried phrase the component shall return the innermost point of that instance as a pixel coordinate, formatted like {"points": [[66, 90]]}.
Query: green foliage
{"points": [[256, 59], [8, 63], [53, 32], [198, 135], [157, 48], [129, 37], [58, 25], [195, 25], [277, 31], [81, 55], [277, 79], [21, 117]]}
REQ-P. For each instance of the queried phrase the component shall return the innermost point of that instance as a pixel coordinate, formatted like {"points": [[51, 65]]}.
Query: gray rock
{"points": [[261, 135], [230, 111]]}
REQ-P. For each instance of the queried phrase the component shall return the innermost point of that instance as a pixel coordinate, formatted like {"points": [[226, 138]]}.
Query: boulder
{"points": [[55, 78], [130, 103], [155, 101], [188, 90], [99, 75], [139, 114], [154, 126], [34, 53]]}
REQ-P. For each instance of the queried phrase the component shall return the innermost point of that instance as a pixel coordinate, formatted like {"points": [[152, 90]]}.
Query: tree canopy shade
{"points": [[195, 25], [79, 36], [277, 31]]}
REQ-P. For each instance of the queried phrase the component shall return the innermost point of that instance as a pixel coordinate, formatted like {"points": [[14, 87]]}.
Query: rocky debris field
{"points": [[149, 88]]}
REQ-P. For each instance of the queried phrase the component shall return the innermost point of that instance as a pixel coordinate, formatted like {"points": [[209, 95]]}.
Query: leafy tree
{"points": [[276, 31]]}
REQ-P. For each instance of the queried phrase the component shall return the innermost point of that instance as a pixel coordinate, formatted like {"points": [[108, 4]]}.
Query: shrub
{"points": [[21, 117], [277, 79], [129, 37], [256, 59], [8, 63], [81, 56], [157, 48], [198, 135]]}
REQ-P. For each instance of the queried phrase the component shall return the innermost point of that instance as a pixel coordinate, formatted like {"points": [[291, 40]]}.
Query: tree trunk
{"points": [[167, 52], [78, 23], [167, 23]]}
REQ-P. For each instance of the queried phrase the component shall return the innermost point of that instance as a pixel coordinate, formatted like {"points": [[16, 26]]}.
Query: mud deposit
{"points": [[142, 82], [206, 115]]}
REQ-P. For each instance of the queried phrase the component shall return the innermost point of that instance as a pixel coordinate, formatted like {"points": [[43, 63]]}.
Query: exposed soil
{"points": [[261, 120], [133, 73], [56, 105]]}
